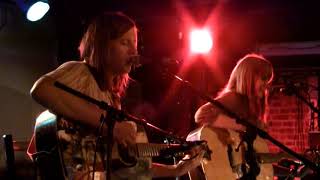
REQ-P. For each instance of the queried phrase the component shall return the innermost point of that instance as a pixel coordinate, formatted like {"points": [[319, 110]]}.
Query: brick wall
{"points": [[289, 118]]}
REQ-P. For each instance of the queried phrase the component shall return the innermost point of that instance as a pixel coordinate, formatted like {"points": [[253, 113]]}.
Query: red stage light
{"points": [[200, 41]]}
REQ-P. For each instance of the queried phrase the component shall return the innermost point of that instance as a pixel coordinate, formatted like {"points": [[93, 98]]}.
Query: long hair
{"points": [[94, 46], [243, 77]]}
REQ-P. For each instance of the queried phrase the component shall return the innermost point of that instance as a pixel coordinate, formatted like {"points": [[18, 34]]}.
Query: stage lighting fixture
{"points": [[34, 9], [200, 41]]}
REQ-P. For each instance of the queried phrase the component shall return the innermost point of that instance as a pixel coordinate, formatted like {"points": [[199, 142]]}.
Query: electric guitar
{"points": [[125, 161]]}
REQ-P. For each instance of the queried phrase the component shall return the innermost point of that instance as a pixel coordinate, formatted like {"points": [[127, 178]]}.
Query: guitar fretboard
{"points": [[150, 149], [272, 157]]}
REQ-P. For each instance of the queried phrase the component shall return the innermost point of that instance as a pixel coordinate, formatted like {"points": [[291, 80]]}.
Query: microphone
{"points": [[287, 91], [290, 88], [135, 61]]}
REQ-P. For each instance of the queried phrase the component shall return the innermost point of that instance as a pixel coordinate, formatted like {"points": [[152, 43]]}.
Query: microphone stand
{"points": [[114, 115], [263, 134]]}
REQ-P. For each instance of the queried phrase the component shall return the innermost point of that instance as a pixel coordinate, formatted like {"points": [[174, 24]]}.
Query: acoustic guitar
{"points": [[228, 156], [50, 159]]}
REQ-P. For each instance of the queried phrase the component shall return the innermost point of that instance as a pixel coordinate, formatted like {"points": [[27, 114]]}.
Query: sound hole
{"points": [[127, 157]]}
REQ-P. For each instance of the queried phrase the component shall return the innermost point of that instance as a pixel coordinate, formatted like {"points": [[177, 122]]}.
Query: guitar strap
{"points": [[31, 148], [115, 98], [230, 157]]}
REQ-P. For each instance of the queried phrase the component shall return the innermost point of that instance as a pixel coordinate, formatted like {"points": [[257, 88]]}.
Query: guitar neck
{"points": [[272, 157], [151, 149]]}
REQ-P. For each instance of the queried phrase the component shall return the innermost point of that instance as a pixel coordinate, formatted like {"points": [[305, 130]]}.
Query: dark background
{"points": [[239, 25]]}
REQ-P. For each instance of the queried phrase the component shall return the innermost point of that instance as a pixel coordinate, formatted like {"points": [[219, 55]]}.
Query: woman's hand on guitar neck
{"points": [[125, 133], [191, 160]]}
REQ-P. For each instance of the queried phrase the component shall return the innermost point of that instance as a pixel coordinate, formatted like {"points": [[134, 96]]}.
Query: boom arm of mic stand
{"points": [[119, 114], [244, 122]]}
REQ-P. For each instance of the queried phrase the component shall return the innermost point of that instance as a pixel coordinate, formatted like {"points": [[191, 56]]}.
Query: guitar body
{"points": [[52, 155], [65, 153], [48, 155], [226, 161]]}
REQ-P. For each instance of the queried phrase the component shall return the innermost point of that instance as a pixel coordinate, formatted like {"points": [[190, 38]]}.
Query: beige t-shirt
{"points": [[76, 75], [77, 142]]}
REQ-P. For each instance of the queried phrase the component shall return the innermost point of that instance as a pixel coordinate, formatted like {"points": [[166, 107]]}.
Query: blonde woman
{"points": [[246, 95]]}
